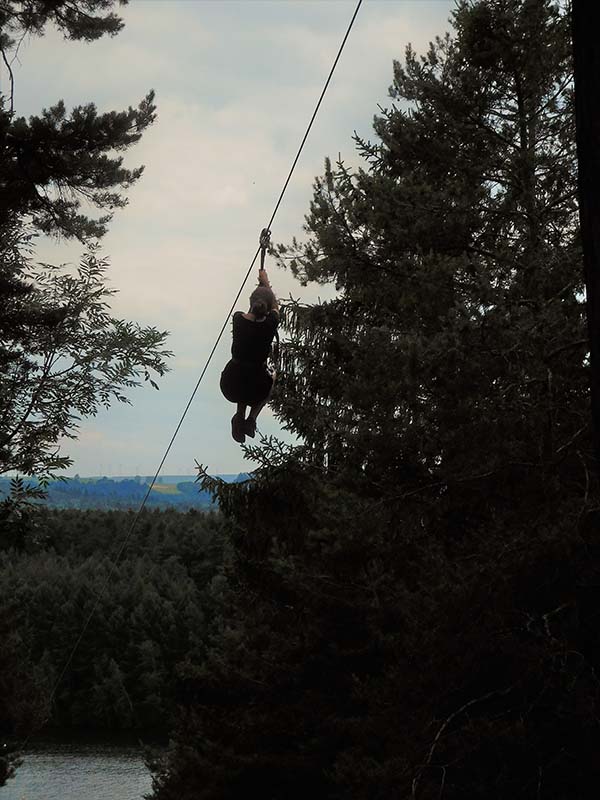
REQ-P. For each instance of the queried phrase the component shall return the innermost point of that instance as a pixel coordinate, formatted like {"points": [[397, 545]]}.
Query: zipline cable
{"points": [[123, 545]]}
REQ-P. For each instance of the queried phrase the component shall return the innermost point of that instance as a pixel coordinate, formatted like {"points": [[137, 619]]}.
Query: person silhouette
{"points": [[246, 379]]}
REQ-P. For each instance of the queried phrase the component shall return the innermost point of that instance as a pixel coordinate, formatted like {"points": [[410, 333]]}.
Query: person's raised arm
{"points": [[263, 280]]}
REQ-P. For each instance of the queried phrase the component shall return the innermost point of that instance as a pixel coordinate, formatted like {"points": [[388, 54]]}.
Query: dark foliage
{"points": [[65, 358], [151, 610], [52, 162], [83, 19]]}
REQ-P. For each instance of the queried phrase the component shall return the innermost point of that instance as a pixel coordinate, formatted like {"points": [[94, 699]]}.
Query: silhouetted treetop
{"points": [[52, 163], [77, 19]]}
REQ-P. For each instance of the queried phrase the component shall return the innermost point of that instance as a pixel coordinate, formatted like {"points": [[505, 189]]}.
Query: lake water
{"points": [[70, 771]]}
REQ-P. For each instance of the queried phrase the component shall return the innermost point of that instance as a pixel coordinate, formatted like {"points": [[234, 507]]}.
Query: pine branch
{"points": [[444, 726], [12, 81]]}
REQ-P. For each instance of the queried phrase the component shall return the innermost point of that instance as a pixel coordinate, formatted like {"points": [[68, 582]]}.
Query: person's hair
{"points": [[262, 301]]}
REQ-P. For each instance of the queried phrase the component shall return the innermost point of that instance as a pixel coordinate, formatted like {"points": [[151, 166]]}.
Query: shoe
{"points": [[237, 428], [250, 427]]}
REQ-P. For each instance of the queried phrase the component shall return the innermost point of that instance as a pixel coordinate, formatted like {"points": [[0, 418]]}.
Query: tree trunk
{"points": [[586, 53]]}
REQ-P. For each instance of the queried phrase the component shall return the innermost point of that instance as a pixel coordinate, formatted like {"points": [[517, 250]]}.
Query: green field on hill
{"points": [[166, 488]]}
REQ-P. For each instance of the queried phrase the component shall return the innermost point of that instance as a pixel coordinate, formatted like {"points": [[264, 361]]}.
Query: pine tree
{"points": [[61, 354], [586, 63], [409, 608], [452, 254], [52, 162], [77, 19]]}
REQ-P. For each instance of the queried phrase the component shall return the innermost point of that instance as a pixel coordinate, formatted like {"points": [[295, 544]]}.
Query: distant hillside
{"points": [[229, 477], [179, 491]]}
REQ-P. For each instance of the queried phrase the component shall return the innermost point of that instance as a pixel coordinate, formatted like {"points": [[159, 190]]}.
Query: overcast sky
{"points": [[236, 82]]}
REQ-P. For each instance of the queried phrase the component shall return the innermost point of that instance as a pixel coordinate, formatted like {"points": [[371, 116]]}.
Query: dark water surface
{"points": [[80, 771]]}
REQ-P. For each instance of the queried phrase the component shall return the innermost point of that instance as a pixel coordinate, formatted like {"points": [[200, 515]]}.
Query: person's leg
{"points": [[237, 424], [256, 409], [250, 423], [250, 426]]}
